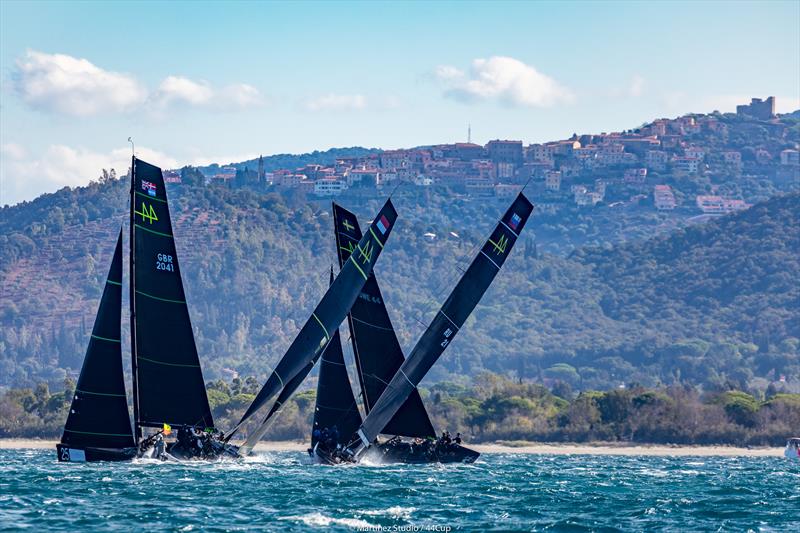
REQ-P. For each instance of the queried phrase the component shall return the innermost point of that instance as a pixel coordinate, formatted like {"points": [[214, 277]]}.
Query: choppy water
{"points": [[502, 492]]}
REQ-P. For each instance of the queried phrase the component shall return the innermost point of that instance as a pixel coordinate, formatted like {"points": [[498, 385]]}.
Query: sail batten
{"points": [[447, 322], [376, 349], [98, 416], [168, 378], [326, 317]]}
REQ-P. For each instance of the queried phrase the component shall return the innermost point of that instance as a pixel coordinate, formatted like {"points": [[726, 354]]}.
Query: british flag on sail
{"points": [[514, 222], [149, 188]]}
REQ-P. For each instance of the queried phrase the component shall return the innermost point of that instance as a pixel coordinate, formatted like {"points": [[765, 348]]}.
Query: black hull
{"points": [[420, 454], [403, 452], [69, 454], [325, 457], [217, 451]]}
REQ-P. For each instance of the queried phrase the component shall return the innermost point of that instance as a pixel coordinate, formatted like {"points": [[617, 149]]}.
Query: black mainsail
{"points": [[326, 318], [168, 381], [447, 322], [98, 416], [376, 349]]}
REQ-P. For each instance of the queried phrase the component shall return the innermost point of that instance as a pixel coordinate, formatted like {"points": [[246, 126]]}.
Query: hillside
{"points": [[709, 304]]}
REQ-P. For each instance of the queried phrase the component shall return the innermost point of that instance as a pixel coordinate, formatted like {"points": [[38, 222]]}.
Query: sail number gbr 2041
{"points": [[165, 262]]}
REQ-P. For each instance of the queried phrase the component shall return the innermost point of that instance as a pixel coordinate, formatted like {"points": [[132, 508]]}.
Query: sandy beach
{"points": [[516, 447]]}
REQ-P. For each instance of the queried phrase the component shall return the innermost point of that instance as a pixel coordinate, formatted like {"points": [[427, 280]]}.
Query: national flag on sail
{"points": [[149, 188], [382, 225], [515, 220]]}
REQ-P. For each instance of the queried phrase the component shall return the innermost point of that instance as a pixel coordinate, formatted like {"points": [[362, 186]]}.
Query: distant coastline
{"points": [[520, 447]]}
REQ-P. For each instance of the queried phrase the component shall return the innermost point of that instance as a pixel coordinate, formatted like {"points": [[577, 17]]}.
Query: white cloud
{"points": [[239, 96], [177, 89], [503, 79], [64, 84], [448, 73], [24, 178], [337, 102], [636, 87], [73, 86]]}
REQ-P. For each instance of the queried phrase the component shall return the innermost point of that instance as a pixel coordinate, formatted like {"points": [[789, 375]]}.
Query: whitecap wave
{"points": [[320, 520], [393, 512]]}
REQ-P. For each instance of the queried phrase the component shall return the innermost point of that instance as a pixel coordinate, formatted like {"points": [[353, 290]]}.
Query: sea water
{"points": [[501, 492]]}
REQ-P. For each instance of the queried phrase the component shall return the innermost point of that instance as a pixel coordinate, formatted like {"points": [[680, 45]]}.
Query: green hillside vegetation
{"points": [[714, 304], [491, 408]]}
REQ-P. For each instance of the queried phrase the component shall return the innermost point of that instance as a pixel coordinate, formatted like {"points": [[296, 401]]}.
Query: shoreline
{"points": [[530, 448]]}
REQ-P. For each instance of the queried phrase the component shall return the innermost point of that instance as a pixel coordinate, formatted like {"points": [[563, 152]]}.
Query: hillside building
{"points": [[552, 180], [790, 158], [758, 108], [717, 205], [663, 198]]}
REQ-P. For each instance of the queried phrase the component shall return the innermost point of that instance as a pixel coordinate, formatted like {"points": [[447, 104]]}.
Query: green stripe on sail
{"points": [[376, 237], [103, 434], [151, 197], [352, 258], [114, 282], [321, 325], [99, 393], [98, 337], [153, 231], [140, 358], [160, 299]]}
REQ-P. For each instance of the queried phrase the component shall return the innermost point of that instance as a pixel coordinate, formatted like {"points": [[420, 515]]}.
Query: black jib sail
{"points": [[448, 320], [168, 381], [336, 409], [99, 416], [377, 351], [326, 318]]}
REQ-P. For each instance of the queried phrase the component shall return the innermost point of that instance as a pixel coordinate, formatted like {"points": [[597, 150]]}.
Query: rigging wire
{"points": [[451, 279]]}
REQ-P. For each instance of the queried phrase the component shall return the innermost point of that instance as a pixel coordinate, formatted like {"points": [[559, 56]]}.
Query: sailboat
{"points": [[378, 356], [320, 328], [167, 381], [439, 334]]}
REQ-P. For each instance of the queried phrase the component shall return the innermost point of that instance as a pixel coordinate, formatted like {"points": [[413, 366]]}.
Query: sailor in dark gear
{"points": [[197, 442], [458, 438], [316, 435], [159, 447], [335, 434], [325, 437], [183, 441]]}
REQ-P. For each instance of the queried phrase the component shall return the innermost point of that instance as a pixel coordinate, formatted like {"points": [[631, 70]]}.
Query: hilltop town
{"points": [[255, 245], [687, 163]]}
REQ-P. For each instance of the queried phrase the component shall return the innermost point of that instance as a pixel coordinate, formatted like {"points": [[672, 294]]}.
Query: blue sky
{"points": [[199, 82]]}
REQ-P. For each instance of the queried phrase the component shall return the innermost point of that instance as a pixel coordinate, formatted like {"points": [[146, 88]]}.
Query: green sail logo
{"points": [[147, 213]]}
